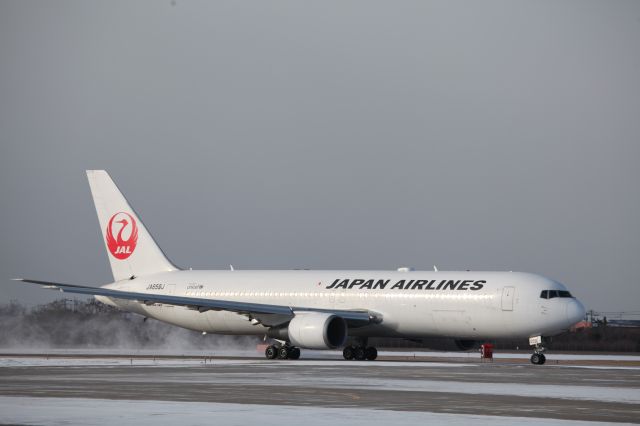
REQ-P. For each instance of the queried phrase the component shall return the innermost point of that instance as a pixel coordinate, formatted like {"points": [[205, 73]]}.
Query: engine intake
{"points": [[313, 330]]}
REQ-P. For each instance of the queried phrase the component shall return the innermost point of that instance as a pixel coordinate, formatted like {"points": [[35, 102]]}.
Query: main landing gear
{"points": [[538, 357], [360, 352], [282, 352]]}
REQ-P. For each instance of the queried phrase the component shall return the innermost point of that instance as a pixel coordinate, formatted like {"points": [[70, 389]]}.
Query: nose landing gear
{"points": [[538, 357]]}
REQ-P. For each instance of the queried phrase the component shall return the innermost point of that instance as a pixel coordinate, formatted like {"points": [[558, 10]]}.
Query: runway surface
{"points": [[413, 390]]}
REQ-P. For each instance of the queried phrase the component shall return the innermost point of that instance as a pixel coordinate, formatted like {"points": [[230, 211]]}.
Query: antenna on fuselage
{"points": [[435, 268], [231, 267]]}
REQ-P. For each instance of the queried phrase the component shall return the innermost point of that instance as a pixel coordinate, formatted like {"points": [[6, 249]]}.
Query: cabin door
{"points": [[507, 298]]}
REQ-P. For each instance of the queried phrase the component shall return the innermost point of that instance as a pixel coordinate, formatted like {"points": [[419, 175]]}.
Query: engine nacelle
{"points": [[313, 330]]}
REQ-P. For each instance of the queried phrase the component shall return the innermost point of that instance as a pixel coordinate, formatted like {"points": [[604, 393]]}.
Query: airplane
{"points": [[327, 309]]}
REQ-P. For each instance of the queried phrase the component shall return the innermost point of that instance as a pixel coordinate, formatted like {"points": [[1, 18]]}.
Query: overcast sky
{"points": [[331, 134]]}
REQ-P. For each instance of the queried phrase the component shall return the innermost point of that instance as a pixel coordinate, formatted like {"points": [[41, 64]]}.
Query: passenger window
{"points": [[544, 294]]}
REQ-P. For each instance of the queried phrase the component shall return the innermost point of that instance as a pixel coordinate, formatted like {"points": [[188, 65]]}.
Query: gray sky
{"points": [[333, 134]]}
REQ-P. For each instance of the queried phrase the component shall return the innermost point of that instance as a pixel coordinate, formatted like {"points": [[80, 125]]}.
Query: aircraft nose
{"points": [[575, 311]]}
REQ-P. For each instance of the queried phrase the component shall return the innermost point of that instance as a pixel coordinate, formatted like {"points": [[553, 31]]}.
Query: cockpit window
{"points": [[550, 294]]}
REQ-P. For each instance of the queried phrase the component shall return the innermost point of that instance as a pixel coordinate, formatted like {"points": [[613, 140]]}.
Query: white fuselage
{"points": [[412, 304]]}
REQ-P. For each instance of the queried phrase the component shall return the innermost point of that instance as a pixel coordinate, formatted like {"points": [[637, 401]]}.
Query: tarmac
{"points": [[583, 390]]}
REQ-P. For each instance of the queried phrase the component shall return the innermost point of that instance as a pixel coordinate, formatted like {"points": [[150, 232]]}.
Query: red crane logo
{"points": [[118, 246]]}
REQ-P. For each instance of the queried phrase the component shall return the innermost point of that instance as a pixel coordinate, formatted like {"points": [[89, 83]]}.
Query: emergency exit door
{"points": [[507, 298]]}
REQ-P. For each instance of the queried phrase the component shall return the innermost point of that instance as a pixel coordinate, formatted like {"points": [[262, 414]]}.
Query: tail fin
{"points": [[132, 251]]}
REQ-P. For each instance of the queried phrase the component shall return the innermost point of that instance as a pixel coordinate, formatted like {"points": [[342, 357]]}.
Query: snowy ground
{"points": [[98, 412], [472, 355], [315, 391], [599, 393], [71, 361], [149, 360], [515, 355]]}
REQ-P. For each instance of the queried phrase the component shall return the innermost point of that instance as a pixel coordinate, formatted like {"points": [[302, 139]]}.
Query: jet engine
{"points": [[313, 330]]}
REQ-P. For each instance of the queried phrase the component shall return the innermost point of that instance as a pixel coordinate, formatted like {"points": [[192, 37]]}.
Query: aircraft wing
{"points": [[259, 313]]}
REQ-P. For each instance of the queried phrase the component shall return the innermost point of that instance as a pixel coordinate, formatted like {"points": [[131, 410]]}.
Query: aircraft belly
{"points": [[453, 322], [455, 319]]}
